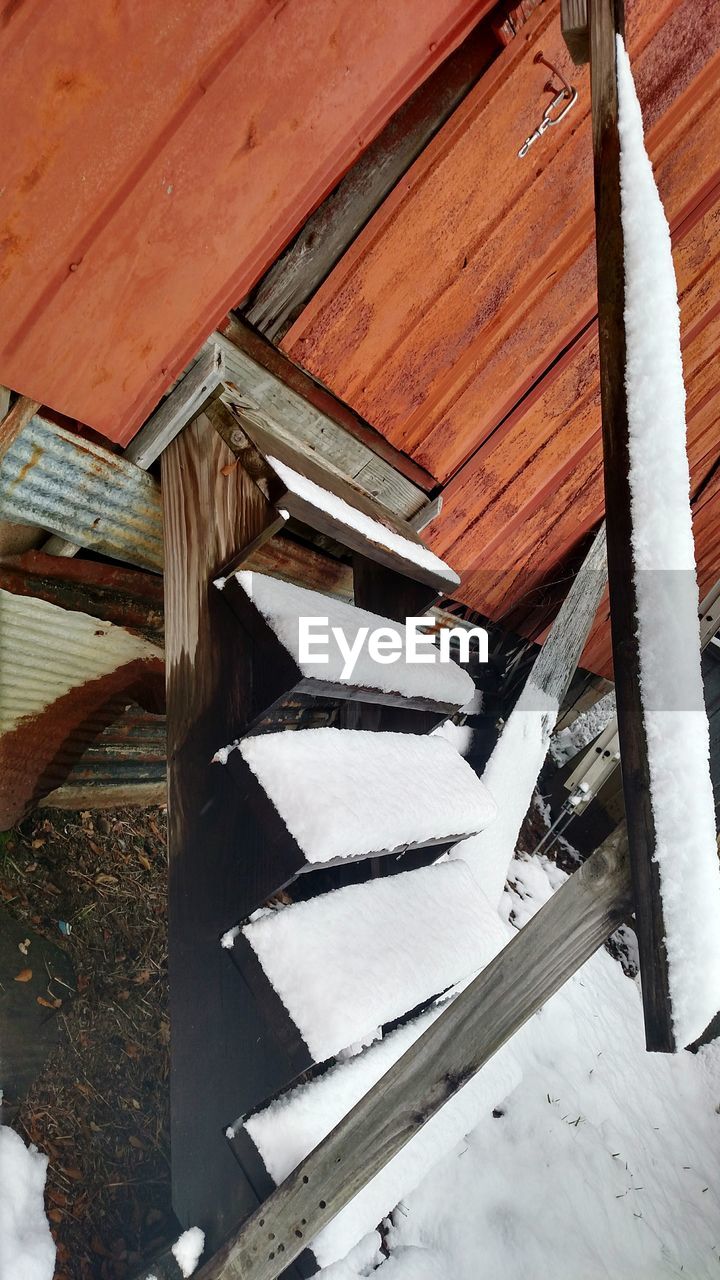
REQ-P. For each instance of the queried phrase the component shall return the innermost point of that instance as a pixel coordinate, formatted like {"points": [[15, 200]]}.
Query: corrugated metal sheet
{"points": [[127, 597], [81, 491], [61, 673], [155, 158], [126, 765], [483, 365]]}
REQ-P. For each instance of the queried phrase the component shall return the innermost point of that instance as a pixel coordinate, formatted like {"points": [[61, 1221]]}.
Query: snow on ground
{"points": [[510, 776], [666, 587], [283, 604], [414, 552], [27, 1250], [380, 791], [604, 1162]]}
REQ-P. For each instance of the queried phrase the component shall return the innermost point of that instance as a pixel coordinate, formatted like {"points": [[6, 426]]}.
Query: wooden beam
{"points": [[292, 405], [212, 510], [187, 399], [575, 28], [557, 660], [605, 22], [535, 964], [290, 283], [257, 452]]}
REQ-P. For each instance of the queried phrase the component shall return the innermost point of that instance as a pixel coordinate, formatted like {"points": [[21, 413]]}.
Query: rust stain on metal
{"points": [[483, 366], [125, 765], [61, 674], [27, 467], [80, 491], [126, 161]]}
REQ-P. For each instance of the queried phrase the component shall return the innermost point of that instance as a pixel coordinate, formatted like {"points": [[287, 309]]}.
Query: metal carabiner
{"points": [[567, 95]]}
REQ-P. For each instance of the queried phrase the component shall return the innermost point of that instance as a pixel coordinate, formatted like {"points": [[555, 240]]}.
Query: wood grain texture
{"points": [[605, 21], [290, 404], [258, 452], [543, 955], [557, 661], [218, 1066], [575, 29]]}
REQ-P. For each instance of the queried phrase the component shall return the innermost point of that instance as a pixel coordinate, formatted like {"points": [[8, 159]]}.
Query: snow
{"points": [[566, 744], [343, 967], [459, 736], [414, 552], [604, 1162], [510, 776], [287, 1130], [27, 1250], [666, 587], [282, 604], [188, 1249], [380, 791]]}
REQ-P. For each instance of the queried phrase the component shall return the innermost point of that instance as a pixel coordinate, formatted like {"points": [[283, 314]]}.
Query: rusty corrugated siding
{"points": [[482, 365], [126, 765], [61, 674], [155, 158], [81, 491]]}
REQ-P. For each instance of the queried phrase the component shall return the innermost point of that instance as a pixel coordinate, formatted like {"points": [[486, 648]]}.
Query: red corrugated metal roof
{"points": [[156, 157], [461, 321]]}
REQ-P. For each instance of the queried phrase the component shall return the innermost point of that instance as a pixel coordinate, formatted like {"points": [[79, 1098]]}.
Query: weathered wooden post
{"points": [[604, 19]]}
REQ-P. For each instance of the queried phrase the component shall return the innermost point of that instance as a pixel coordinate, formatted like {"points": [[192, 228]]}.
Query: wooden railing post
{"points": [[605, 22]]}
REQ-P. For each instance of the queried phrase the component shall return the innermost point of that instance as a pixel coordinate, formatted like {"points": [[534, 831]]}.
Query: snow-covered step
{"points": [[320, 646], [350, 961], [326, 500], [345, 794], [287, 1129]]}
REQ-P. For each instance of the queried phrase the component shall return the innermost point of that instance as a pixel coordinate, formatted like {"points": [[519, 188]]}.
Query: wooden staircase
{"points": [[337, 800]]}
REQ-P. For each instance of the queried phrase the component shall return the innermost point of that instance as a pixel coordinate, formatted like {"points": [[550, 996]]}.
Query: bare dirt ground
{"points": [[99, 1109]]}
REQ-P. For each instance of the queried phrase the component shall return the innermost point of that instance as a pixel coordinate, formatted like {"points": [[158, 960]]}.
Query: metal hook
{"points": [[567, 94]]}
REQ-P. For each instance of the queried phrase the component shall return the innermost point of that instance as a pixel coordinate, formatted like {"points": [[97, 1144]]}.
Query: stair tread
{"points": [[359, 957], [287, 1129], [345, 793], [282, 604]]}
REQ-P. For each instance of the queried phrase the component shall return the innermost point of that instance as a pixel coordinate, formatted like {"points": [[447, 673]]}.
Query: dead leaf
{"points": [[229, 467], [104, 878], [145, 863], [132, 1049], [55, 1215], [141, 977], [38, 844], [24, 975], [49, 1004], [23, 946], [137, 1143], [74, 1174]]}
